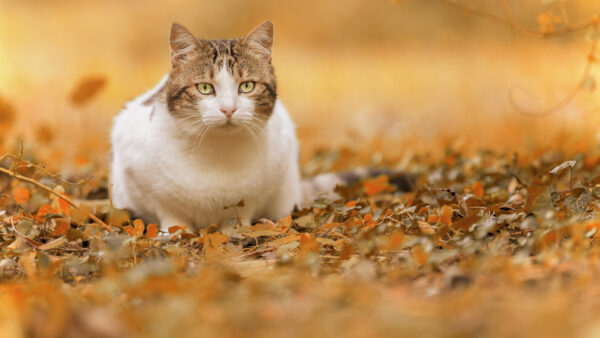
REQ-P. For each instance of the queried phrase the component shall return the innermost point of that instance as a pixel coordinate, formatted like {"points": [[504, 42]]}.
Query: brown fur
{"points": [[197, 61]]}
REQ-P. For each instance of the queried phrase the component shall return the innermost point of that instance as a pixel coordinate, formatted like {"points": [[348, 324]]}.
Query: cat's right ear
{"points": [[183, 43]]}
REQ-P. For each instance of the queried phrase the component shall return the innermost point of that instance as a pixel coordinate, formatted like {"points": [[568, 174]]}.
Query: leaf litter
{"points": [[480, 243]]}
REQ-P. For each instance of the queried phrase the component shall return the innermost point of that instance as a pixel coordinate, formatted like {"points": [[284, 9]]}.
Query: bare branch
{"points": [[64, 197]]}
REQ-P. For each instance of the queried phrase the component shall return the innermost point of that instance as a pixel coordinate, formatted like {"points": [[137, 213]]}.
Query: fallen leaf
{"points": [[61, 228], [138, 227], [446, 215], [21, 195], [152, 230], [86, 89], [478, 189]]}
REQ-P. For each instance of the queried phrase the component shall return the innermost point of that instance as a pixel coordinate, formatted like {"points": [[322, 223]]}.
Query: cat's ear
{"points": [[261, 39], [183, 43]]}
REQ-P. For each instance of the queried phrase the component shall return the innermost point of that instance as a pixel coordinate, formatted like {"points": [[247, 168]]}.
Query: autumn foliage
{"points": [[499, 238]]}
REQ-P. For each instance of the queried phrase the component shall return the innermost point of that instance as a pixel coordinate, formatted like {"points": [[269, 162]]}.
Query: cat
{"points": [[214, 133], [211, 134]]}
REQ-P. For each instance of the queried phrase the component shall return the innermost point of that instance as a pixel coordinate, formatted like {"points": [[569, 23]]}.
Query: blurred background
{"points": [[381, 80]]}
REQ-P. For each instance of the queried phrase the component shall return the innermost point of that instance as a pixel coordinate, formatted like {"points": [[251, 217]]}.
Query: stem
{"points": [[64, 197]]}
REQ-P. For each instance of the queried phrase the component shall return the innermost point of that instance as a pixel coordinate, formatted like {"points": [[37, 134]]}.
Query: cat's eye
{"points": [[205, 88], [246, 87]]}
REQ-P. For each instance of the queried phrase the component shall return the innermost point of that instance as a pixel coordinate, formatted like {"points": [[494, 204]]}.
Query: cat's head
{"points": [[221, 86]]}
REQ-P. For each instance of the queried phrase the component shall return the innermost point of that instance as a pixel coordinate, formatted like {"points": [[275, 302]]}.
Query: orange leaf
{"points": [[432, 219], [213, 244], [21, 195], [446, 217], [308, 243], [44, 210], [376, 185], [65, 206], [285, 223], [396, 240], [60, 229], [173, 229], [478, 189], [152, 230], [419, 255], [346, 252], [128, 230], [425, 228], [138, 227]]}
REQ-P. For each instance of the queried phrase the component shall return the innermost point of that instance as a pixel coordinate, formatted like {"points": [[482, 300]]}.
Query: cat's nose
{"points": [[228, 111]]}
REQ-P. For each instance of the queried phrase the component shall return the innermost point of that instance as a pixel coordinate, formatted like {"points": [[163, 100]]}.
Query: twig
{"points": [[512, 24], [565, 101], [256, 252], [44, 170], [64, 197]]}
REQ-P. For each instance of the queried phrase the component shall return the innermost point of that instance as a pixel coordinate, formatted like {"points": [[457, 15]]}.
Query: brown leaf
{"points": [[7, 115], [213, 244], [285, 223], [61, 228], [86, 89], [446, 215]]}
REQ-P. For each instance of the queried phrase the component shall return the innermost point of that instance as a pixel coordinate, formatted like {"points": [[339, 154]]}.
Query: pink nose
{"points": [[228, 111]]}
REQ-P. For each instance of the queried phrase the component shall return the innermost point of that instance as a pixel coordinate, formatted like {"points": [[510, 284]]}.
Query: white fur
{"points": [[177, 172]]}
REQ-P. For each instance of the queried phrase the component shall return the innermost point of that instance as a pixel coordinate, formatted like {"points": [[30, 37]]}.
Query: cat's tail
{"points": [[323, 185]]}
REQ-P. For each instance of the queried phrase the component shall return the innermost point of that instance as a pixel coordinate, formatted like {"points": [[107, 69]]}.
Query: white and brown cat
{"points": [[210, 134]]}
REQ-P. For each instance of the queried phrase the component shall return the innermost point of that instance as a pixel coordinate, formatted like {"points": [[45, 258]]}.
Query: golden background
{"points": [[374, 77]]}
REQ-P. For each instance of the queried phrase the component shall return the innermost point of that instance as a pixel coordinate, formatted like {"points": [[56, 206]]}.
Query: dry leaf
{"points": [[138, 228], [21, 195], [478, 189], [152, 230], [86, 89]]}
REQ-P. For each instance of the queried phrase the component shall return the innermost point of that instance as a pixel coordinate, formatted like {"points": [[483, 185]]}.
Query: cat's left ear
{"points": [[260, 39], [183, 43]]}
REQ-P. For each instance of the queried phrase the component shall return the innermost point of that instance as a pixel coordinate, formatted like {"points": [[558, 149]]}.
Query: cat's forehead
{"points": [[232, 55]]}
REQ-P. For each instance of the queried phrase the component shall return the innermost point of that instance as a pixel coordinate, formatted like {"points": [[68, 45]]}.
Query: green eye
{"points": [[205, 88], [247, 87]]}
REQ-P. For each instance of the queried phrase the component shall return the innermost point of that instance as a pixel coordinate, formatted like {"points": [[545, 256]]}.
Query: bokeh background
{"points": [[368, 83], [381, 80]]}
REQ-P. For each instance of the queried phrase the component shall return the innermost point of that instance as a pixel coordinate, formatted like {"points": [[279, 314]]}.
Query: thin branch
{"points": [[563, 12], [43, 170], [569, 98], [509, 15], [64, 197], [512, 24]]}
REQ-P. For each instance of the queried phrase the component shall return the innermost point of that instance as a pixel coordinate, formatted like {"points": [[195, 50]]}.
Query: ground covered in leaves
{"points": [[483, 246]]}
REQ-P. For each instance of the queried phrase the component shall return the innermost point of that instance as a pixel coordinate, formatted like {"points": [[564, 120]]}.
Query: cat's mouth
{"points": [[229, 124]]}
